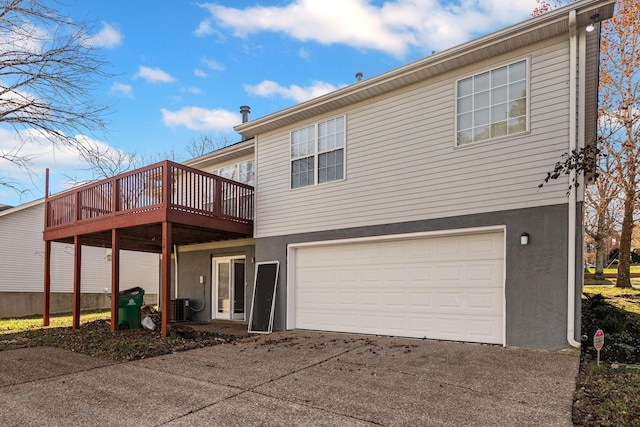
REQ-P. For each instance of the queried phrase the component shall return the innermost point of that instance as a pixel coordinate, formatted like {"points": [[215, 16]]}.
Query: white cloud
{"points": [[304, 53], [193, 90], [122, 88], [297, 93], [19, 103], [108, 37], [154, 75], [394, 27], [63, 161], [205, 28], [213, 65], [199, 73], [28, 38], [200, 119]]}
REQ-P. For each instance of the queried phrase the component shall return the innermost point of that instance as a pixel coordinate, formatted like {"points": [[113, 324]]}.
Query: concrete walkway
{"points": [[293, 379]]}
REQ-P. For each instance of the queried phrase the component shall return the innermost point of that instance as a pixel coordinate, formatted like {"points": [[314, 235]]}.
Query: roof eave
{"points": [[533, 30], [223, 154]]}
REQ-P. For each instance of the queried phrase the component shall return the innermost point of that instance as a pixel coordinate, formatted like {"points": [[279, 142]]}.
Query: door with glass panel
{"points": [[228, 288]]}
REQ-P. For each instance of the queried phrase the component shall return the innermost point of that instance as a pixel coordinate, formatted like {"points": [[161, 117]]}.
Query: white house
{"points": [[408, 203], [404, 204], [22, 259]]}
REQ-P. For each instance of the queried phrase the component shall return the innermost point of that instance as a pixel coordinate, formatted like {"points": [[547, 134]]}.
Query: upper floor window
{"points": [[317, 153], [240, 172], [492, 104]]}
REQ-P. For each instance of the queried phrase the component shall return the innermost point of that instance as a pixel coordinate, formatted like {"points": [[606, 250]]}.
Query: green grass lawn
{"points": [[607, 394], [614, 269], [623, 298], [21, 324]]}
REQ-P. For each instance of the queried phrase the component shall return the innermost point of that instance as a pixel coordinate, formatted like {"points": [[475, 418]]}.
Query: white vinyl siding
{"points": [[403, 164], [22, 260]]}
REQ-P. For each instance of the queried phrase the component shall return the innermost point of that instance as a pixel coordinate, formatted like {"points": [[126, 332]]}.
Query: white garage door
{"points": [[448, 288]]}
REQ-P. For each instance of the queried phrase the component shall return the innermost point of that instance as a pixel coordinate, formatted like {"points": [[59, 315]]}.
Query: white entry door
{"points": [[228, 288]]}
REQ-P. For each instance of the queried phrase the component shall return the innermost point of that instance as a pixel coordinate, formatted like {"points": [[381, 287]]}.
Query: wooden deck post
{"points": [[166, 277], [77, 268], [46, 310], [115, 278]]}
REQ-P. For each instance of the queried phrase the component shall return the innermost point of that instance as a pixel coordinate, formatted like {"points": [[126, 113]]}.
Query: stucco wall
{"points": [[193, 264], [536, 274]]}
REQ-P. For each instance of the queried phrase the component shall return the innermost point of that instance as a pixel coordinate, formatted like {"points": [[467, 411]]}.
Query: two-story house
{"points": [[404, 204]]}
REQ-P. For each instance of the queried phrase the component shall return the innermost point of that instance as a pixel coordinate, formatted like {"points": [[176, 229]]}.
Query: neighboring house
{"points": [[22, 255], [404, 204]]}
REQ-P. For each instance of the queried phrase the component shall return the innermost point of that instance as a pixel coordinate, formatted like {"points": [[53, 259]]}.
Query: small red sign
{"points": [[598, 340]]}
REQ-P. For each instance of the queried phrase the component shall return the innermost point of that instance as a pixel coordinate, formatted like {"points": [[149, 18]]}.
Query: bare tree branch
{"points": [[207, 143], [48, 71]]}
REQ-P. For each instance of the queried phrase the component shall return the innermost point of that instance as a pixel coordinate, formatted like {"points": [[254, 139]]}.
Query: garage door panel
{"points": [[397, 324], [421, 273], [483, 327], [394, 252], [421, 301], [371, 299], [395, 299], [442, 287]]}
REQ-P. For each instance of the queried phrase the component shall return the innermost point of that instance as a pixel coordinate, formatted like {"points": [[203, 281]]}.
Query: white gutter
{"points": [[571, 264]]}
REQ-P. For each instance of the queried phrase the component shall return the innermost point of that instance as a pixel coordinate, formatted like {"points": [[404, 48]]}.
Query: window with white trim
{"points": [[492, 104], [317, 153], [240, 172], [236, 201]]}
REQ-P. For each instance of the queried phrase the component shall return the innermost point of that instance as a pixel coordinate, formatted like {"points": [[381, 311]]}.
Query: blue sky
{"points": [[182, 69]]}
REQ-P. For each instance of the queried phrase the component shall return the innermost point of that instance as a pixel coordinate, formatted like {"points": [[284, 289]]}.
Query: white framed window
{"points": [[236, 201], [317, 153], [241, 172], [492, 104]]}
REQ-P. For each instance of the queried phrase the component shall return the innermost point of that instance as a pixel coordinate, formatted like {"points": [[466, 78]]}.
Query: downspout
{"points": [[571, 264]]}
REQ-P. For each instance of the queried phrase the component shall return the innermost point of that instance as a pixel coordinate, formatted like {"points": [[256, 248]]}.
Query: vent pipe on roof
{"points": [[245, 110], [359, 76]]}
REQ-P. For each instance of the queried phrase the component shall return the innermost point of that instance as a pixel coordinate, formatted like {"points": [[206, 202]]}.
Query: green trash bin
{"points": [[129, 303]]}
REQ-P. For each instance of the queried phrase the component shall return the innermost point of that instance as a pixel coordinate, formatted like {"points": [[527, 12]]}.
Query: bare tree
{"points": [[207, 143], [619, 119], [602, 211], [104, 162], [620, 116], [48, 70]]}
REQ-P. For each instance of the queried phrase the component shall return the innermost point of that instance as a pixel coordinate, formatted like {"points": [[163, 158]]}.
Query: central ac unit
{"points": [[179, 310]]}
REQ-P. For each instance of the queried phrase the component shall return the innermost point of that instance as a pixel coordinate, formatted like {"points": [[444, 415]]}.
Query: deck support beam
{"points": [[166, 277], [46, 309], [115, 278], [77, 269]]}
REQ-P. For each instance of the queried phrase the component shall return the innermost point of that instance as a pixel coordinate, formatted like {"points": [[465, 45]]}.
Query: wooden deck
{"points": [[202, 207], [149, 209]]}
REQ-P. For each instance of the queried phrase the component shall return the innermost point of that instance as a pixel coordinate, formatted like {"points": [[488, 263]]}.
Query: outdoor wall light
{"points": [[524, 239], [591, 26]]}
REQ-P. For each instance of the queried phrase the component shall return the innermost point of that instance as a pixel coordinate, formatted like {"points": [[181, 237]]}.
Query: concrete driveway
{"points": [[293, 378]]}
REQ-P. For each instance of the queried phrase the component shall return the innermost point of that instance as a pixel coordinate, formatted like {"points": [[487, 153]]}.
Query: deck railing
{"points": [[165, 185]]}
